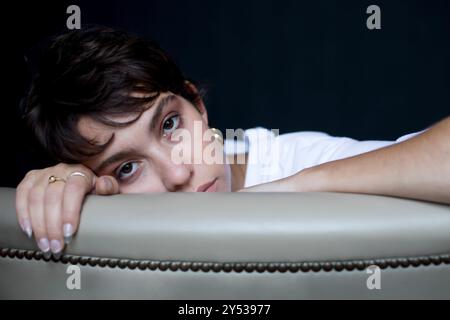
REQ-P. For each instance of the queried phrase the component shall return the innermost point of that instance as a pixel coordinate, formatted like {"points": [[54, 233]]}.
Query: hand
{"points": [[52, 210]]}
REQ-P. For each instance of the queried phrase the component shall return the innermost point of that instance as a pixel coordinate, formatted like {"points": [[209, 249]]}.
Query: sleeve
{"points": [[274, 157], [300, 150], [335, 148]]}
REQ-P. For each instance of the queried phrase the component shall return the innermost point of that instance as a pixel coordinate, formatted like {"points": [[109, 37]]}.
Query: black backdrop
{"points": [[287, 64]]}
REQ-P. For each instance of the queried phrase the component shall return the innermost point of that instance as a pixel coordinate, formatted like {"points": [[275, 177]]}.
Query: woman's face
{"points": [[141, 154]]}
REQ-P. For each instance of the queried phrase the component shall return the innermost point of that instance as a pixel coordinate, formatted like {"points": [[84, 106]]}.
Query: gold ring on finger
{"points": [[52, 179]]}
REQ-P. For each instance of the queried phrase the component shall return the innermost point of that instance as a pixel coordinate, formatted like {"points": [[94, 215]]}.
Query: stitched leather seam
{"points": [[293, 267]]}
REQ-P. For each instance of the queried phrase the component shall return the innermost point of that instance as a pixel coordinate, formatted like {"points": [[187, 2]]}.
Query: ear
{"points": [[191, 88]]}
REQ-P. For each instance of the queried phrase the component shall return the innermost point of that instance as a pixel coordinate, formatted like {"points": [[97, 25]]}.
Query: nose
{"points": [[175, 177]]}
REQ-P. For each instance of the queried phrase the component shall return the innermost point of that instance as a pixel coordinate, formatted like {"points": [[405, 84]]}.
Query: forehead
{"points": [[100, 133], [97, 132]]}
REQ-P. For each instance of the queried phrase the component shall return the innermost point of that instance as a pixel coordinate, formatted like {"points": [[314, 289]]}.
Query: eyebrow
{"points": [[130, 152]]}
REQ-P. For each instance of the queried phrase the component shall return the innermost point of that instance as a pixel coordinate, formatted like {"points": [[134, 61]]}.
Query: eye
{"points": [[127, 170], [170, 124]]}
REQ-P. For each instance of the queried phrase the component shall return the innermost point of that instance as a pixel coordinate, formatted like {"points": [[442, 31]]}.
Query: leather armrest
{"points": [[264, 233]]}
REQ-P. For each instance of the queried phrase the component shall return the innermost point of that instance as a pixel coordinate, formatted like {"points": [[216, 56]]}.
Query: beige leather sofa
{"points": [[236, 246]]}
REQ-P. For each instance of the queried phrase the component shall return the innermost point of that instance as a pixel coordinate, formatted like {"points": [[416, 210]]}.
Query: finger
{"points": [[36, 211], [106, 185], [23, 216], [75, 190], [53, 216]]}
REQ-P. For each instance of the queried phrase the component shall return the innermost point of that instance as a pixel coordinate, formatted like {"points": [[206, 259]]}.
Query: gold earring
{"points": [[217, 134]]}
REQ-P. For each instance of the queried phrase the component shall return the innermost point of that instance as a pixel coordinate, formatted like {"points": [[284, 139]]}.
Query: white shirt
{"points": [[272, 156]]}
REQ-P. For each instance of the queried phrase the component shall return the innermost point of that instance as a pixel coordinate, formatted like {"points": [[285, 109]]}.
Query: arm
{"points": [[417, 168]]}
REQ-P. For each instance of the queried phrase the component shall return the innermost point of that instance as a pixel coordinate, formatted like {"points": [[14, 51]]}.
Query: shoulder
{"points": [[273, 156], [259, 138], [262, 137]]}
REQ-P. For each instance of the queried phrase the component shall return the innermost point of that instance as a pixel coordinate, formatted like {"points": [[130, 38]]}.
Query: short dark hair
{"points": [[93, 72]]}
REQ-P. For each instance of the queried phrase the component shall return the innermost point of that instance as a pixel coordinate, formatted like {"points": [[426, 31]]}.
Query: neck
{"points": [[238, 171]]}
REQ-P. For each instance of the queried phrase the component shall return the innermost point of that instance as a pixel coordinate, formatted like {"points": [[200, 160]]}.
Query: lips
{"points": [[208, 187]]}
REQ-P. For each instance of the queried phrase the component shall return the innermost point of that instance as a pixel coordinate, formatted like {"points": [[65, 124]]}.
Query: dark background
{"points": [[293, 65]]}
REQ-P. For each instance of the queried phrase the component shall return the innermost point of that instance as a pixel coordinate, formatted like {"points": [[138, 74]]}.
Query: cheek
{"points": [[198, 142], [147, 182]]}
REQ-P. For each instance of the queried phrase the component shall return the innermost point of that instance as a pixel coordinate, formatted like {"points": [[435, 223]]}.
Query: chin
{"points": [[222, 185]]}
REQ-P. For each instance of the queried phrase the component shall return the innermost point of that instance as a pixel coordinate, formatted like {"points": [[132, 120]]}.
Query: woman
{"points": [[119, 116]]}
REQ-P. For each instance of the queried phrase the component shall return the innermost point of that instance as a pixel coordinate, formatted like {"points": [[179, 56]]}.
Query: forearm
{"points": [[417, 168]]}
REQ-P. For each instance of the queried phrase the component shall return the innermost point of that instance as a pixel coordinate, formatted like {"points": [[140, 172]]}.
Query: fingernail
{"points": [[26, 227], [68, 232], [108, 184], [55, 245], [44, 245]]}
